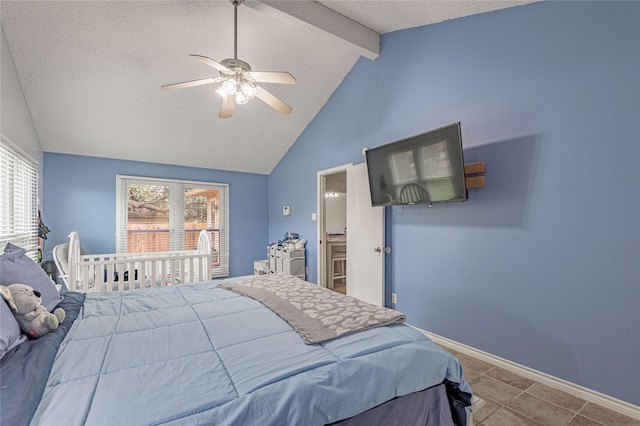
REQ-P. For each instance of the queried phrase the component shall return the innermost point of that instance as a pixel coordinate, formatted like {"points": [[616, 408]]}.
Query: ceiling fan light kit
{"points": [[239, 84]]}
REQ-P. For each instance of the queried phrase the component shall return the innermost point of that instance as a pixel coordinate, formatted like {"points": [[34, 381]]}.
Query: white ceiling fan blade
{"points": [[191, 83], [275, 103], [212, 63], [227, 107], [278, 77]]}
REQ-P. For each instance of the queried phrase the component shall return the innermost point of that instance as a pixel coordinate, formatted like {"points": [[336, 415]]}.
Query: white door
{"points": [[365, 239]]}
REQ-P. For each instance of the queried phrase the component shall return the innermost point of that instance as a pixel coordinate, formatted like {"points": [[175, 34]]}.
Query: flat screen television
{"points": [[423, 169]]}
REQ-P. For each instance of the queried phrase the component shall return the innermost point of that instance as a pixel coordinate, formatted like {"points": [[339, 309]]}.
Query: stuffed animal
{"points": [[34, 319]]}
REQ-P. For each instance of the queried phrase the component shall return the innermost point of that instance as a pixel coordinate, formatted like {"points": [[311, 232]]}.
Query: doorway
{"points": [[360, 242], [335, 227], [332, 229]]}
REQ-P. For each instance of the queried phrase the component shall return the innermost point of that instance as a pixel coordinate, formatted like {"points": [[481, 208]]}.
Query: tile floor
{"points": [[513, 400]]}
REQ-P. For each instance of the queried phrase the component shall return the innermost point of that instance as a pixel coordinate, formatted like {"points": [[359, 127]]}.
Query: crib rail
{"points": [[128, 271]]}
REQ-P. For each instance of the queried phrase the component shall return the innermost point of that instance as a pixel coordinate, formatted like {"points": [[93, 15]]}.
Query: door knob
{"points": [[377, 249]]}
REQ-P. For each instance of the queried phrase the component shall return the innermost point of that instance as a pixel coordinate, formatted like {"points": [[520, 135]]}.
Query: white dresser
{"points": [[286, 259]]}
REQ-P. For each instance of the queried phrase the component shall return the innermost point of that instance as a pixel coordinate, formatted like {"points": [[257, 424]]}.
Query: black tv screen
{"points": [[422, 169]]}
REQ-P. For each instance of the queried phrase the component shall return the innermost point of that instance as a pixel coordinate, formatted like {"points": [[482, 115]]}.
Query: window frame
{"points": [[176, 217]]}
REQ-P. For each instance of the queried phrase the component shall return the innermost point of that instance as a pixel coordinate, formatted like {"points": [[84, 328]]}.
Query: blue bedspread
{"points": [[198, 354], [24, 370]]}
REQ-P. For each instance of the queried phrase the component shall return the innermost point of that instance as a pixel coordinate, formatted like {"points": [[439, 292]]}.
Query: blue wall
{"points": [[541, 267], [80, 195]]}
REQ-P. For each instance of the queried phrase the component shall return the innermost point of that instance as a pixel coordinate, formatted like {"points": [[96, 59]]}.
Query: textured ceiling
{"points": [[384, 16], [91, 71]]}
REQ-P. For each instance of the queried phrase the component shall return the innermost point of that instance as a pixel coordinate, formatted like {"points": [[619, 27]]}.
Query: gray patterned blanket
{"points": [[315, 313]]}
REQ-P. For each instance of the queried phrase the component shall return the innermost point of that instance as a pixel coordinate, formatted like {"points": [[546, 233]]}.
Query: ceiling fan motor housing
{"points": [[236, 63]]}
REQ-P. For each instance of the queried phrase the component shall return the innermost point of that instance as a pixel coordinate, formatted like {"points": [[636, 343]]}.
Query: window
{"points": [[436, 171], [404, 167], [19, 198], [427, 165], [435, 161], [168, 215]]}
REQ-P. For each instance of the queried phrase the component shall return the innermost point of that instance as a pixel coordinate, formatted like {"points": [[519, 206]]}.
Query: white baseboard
{"points": [[589, 395]]}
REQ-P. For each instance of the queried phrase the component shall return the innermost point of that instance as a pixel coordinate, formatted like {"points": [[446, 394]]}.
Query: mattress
{"points": [[200, 354]]}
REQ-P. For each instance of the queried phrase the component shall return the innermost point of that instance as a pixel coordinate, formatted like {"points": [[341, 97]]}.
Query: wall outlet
{"points": [[394, 298]]}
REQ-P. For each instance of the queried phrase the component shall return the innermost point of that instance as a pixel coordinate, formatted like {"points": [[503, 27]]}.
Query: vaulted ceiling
{"points": [[91, 71]]}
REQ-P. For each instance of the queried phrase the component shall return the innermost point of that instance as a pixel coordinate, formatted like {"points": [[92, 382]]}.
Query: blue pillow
{"points": [[17, 267], [10, 333]]}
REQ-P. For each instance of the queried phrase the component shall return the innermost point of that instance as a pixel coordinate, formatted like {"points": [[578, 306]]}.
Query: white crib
{"points": [[126, 271]]}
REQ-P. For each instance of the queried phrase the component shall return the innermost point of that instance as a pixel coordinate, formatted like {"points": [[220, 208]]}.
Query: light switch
{"points": [[286, 210]]}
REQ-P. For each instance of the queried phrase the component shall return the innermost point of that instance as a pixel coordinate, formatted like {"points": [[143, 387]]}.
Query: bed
{"points": [[207, 353], [124, 271]]}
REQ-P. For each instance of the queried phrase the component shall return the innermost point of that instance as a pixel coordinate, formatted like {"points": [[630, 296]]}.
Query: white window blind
{"points": [[436, 171], [166, 215], [19, 198], [403, 166], [435, 161]]}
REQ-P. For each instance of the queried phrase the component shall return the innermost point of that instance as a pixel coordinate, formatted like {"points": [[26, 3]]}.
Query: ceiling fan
{"points": [[239, 84]]}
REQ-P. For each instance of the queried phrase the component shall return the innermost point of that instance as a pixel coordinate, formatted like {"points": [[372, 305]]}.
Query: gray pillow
{"points": [[17, 267], [10, 333]]}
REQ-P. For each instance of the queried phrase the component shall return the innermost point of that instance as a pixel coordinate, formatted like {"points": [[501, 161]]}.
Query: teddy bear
{"points": [[34, 319]]}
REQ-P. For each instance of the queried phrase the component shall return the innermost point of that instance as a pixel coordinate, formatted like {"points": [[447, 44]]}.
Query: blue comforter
{"points": [[198, 354]]}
